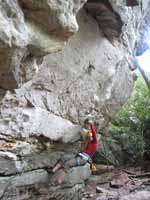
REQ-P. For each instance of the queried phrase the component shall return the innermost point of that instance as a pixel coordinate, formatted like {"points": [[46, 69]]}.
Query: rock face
{"points": [[144, 40], [90, 76], [26, 172], [28, 30], [73, 84], [143, 195]]}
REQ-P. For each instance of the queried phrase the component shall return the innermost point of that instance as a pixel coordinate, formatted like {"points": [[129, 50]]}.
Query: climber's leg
{"points": [[78, 161], [57, 167]]}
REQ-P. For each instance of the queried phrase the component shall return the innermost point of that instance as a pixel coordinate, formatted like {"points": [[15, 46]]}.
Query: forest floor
{"points": [[124, 183]]}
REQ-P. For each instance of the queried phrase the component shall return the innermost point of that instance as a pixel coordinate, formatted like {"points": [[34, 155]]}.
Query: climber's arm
{"points": [[93, 130], [86, 141]]}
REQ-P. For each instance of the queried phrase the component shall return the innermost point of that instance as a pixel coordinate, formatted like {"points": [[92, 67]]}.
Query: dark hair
{"points": [[86, 121]]}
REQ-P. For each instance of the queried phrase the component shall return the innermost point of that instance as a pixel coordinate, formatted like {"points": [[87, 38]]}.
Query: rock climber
{"points": [[88, 149]]}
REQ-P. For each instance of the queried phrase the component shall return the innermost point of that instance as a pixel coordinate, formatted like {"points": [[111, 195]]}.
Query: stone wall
{"points": [[44, 100]]}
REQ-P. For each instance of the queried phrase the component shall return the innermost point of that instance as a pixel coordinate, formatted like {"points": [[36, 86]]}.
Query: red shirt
{"points": [[93, 145]]}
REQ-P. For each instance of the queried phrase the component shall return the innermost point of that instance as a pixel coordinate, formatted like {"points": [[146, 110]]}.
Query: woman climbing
{"points": [[88, 149]]}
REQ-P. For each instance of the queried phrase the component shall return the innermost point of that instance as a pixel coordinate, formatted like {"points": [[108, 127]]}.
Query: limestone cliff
{"points": [[50, 82]]}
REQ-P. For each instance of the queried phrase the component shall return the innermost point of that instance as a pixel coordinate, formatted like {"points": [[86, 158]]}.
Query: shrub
{"points": [[132, 121]]}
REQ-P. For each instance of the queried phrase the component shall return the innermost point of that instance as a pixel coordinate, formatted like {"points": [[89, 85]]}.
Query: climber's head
{"points": [[87, 123]]}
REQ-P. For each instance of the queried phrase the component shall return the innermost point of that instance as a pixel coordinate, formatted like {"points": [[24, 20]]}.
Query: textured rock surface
{"points": [[27, 173], [30, 121], [143, 195], [133, 18], [91, 76], [28, 30], [144, 40], [115, 185], [77, 82]]}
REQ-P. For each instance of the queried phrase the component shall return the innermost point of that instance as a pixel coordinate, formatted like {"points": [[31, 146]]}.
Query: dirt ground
{"points": [[124, 183]]}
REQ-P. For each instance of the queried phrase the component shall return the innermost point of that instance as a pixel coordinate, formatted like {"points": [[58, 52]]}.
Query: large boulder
{"points": [[26, 172], [85, 75], [90, 77], [29, 30]]}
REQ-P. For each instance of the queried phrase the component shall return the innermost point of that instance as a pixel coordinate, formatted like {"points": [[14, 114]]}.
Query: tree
{"points": [[132, 121]]}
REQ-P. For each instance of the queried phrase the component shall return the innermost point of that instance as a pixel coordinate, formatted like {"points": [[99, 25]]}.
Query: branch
{"points": [[143, 74]]}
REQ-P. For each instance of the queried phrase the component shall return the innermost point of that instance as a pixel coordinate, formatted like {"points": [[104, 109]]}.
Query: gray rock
{"points": [[26, 122], [78, 174], [11, 164], [89, 77], [8, 163], [67, 193], [141, 195], [106, 194], [41, 160], [23, 148], [23, 186], [23, 40], [67, 89]]}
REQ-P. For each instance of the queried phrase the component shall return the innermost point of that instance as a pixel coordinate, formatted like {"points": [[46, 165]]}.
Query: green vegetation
{"points": [[133, 120], [128, 136]]}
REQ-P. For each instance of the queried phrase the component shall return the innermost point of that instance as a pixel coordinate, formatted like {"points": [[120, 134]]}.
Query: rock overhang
{"points": [[67, 87], [32, 29]]}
